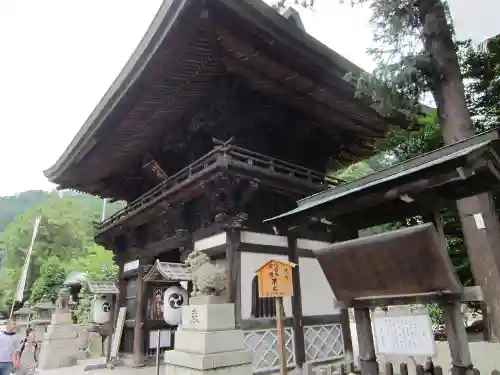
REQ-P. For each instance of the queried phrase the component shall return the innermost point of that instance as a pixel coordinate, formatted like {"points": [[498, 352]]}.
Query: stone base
{"points": [[234, 370], [207, 341], [202, 362], [60, 346], [64, 318]]}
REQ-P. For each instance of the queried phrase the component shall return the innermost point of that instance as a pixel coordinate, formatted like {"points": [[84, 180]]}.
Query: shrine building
{"points": [[226, 114]]}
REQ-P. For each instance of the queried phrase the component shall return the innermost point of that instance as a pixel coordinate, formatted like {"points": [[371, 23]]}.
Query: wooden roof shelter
{"points": [[398, 263], [218, 68], [414, 187]]}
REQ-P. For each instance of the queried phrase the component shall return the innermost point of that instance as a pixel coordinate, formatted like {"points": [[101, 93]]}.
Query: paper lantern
{"points": [[101, 309], [174, 298]]}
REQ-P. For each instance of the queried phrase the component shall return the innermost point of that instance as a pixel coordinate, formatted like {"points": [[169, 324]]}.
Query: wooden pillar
{"points": [[297, 322], [453, 322], [457, 339], [121, 246], [481, 230], [233, 259], [345, 321], [346, 233], [367, 356], [138, 350]]}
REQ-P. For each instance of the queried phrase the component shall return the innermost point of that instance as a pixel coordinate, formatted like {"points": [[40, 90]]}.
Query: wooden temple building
{"points": [[226, 114]]}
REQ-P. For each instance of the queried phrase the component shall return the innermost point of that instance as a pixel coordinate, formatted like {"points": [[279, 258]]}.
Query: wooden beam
{"points": [[154, 172], [469, 294], [270, 323]]}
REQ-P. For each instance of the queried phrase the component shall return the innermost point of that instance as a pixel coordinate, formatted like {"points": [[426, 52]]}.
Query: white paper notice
{"points": [[165, 339], [478, 218], [408, 335]]}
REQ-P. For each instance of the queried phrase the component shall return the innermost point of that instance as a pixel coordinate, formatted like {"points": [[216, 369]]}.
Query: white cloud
{"points": [[59, 57]]}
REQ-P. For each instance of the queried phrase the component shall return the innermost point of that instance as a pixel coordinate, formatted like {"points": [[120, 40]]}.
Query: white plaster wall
{"points": [[250, 262], [317, 296]]}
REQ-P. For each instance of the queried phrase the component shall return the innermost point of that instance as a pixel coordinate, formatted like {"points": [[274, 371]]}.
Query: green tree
{"points": [[416, 53], [481, 69], [66, 232], [96, 262], [354, 171], [98, 265], [52, 275]]}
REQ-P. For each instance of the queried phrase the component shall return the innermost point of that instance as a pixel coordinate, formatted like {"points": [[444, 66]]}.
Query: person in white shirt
{"points": [[9, 342]]}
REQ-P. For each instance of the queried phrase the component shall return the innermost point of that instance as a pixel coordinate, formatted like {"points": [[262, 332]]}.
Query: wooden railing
{"points": [[181, 176], [233, 155], [278, 166]]}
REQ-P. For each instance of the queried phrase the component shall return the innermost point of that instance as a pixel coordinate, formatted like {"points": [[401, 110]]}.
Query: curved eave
{"points": [[84, 140], [452, 159], [255, 11], [270, 21]]}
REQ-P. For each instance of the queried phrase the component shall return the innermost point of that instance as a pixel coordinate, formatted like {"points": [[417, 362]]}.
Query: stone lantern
{"points": [[43, 311], [23, 317]]}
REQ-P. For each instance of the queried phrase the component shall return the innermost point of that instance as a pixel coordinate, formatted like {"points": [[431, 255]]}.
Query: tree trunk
{"points": [[456, 124]]}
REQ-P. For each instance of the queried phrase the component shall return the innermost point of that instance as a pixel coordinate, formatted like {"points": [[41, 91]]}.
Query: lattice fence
{"points": [[264, 345], [323, 342]]}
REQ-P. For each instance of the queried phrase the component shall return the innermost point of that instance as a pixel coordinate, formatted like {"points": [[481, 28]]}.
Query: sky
{"points": [[59, 57]]}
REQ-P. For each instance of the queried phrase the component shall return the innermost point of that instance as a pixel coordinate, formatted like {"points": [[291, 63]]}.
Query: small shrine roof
{"points": [[103, 287], [424, 183], [166, 271]]}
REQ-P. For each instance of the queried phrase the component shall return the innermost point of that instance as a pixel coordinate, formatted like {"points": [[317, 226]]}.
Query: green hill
{"points": [[17, 204], [64, 242]]}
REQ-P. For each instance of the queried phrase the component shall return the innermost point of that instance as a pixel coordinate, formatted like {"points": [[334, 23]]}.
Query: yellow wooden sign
{"points": [[275, 279]]}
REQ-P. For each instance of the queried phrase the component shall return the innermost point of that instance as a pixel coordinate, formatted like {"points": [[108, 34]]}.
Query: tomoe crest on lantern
{"points": [[174, 298]]}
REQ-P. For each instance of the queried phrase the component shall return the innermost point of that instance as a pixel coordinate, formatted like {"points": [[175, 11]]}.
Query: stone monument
{"points": [[207, 341], [60, 346]]}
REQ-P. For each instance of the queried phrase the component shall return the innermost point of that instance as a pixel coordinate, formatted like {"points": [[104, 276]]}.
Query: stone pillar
{"points": [[207, 341]]}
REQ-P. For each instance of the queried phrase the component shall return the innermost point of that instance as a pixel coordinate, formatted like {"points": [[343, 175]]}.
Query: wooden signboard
{"points": [[117, 336], [275, 280]]}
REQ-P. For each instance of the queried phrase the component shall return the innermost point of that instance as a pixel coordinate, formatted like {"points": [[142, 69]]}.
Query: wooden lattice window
{"points": [[261, 307]]}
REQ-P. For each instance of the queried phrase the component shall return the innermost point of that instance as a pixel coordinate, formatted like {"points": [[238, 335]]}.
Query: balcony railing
{"points": [[220, 153]]}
